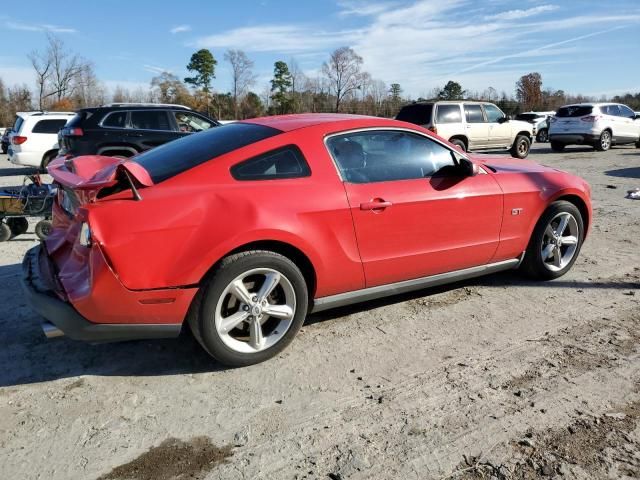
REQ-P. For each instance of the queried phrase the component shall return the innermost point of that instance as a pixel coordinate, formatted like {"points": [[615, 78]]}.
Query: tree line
{"points": [[66, 81]]}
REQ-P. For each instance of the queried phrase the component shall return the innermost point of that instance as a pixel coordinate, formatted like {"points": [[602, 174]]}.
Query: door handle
{"points": [[375, 204]]}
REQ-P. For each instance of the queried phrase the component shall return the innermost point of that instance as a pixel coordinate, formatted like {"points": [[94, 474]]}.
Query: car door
{"points": [[499, 127], [414, 213], [476, 126], [630, 128]]}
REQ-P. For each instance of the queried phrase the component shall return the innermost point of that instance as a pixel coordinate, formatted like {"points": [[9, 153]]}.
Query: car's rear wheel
{"points": [[557, 147], [43, 229], [543, 136], [604, 142], [555, 243], [520, 148], [46, 160], [250, 309], [5, 232], [459, 143], [18, 225]]}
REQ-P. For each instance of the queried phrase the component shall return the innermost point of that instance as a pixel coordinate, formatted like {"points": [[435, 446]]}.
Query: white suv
{"points": [[471, 125], [600, 125], [34, 141]]}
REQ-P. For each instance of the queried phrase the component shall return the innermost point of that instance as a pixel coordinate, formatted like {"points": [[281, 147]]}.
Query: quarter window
{"points": [[150, 120], [493, 113], [473, 113], [386, 155], [449, 114], [286, 162]]}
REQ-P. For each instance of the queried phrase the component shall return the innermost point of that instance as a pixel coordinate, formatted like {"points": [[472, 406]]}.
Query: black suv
{"points": [[126, 129]]}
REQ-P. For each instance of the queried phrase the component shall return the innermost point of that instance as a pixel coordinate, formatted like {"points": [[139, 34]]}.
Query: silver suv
{"points": [[600, 125], [471, 125]]}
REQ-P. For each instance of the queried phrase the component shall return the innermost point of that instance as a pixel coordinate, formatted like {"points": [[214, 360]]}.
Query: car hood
{"points": [[503, 164], [521, 125]]}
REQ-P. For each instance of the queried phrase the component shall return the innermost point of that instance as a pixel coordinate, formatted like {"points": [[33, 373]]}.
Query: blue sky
{"points": [[580, 46]]}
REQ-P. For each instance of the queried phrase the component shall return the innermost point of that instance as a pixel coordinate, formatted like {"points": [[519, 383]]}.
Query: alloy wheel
{"points": [[605, 140], [255, 310], [560, 241]]}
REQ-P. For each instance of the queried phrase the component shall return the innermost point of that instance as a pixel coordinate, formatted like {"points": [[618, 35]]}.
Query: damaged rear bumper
{"points": [[62, 318]]}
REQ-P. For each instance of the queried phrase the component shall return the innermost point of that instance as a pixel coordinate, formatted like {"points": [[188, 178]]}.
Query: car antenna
{"points": [[136, 194]]}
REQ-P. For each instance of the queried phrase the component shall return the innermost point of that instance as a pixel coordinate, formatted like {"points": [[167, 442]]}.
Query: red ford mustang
{"points": [[243, 230]]}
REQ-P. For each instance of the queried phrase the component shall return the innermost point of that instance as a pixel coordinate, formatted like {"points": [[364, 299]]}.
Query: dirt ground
{"points": [[497, 377]]}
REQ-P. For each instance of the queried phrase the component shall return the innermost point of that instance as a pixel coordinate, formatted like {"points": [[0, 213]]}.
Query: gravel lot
{"points": [[497, 376]]}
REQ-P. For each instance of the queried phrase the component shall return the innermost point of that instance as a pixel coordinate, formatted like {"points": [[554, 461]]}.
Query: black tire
{"points": [[542, 136], [520, 147], [202, 312], [533, 264], [43, 228], [5, 149], [557, 147], [604, 142], [18, 225], [5, 232], [459, 143], [46, 160]]}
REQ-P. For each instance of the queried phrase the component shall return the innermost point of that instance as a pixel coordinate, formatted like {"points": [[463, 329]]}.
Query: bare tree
{"points": [[42, 65], [241, 73], [298, 80], [343, 72]]}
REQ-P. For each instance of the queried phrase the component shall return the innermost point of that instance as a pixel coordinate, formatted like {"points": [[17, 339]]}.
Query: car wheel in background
{"points": [[555, 243], [250, 309], [5, 232], [557, 147], [542, 136], [17, 225], [43, 229], [520, 148], [46, 160], [459, 143], [604, 142]]}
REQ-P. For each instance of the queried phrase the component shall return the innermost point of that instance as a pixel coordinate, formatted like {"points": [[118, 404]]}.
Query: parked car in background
{"points": [[243, 230], [540, 122], [34, 141], [600, 125], [4, 141], [126, 129], [471, 125]]}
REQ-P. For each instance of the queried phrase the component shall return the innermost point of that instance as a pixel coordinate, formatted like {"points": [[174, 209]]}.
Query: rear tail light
{"points": [[590, 118], [433, 129], [74, 132], [17, 140]]}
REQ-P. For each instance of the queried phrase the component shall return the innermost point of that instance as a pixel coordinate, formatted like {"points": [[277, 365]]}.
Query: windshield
{"points": [[528, 117], [180, 155]]}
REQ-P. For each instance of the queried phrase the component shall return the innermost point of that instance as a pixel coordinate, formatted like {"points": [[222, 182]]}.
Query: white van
{"points": [[34, 141]]}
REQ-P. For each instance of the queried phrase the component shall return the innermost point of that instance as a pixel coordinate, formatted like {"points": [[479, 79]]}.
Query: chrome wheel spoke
{"points": [[547, 252], [562, 226], [256, 340], [232, 321], [271, 281], [570, 240], [283, 312], [549, 232], [239, 290], [557, 257]]}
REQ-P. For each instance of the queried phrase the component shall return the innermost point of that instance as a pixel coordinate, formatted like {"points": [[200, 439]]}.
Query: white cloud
{"points": [[31, 27], [520, 14], [155, 69], [180, 29], [361, 8]]}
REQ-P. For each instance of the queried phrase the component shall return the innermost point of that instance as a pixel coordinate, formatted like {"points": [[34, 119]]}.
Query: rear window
{"points": [[18, 123], [574, 111], [150, 120], [473, 113], [115, 119], [449, 114], [180, 155], [49, 126], [418, 114]]}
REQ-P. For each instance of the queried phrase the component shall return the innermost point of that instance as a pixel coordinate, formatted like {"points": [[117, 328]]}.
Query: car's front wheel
{"points": [[520, 148], [555, 243], [459, 143], [251, 308], [543, 136]]}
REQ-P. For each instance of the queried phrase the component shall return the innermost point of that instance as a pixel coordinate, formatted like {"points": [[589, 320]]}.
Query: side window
{"points": [[473, 113], [626, 112], [191, 123], [449, 114], [493, 113], [150, 120], [115, 120], [48, 126], [286, 162], [387, 155]]}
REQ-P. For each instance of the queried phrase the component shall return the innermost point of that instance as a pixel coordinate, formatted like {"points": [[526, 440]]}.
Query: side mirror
{"points": [[637, 117], [468, 168], [504, 119]]}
